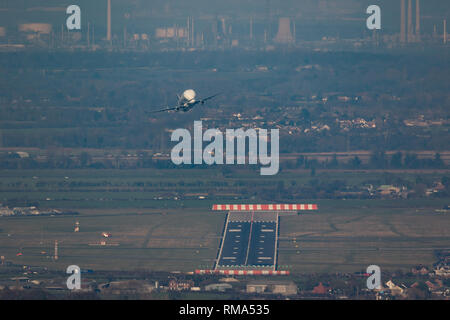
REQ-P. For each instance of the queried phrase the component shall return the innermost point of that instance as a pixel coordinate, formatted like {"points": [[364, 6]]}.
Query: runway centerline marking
{"points": [[249, 238]]}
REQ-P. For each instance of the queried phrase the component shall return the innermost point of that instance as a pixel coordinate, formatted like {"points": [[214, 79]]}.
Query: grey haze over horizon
{"points": [[314, 18]]}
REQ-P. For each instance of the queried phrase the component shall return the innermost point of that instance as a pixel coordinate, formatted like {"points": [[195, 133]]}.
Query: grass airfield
{"points": [[333, 239], [183, 235]]}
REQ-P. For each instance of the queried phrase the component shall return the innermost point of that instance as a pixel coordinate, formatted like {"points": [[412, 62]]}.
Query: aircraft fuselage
{"points": [[186, 101]]}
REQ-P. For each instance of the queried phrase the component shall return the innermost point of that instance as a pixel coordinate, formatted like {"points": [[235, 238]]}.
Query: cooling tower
{"points": [[284, 34]]}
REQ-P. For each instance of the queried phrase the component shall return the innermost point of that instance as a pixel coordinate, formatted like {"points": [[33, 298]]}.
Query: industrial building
{"points": [[285, 288]]}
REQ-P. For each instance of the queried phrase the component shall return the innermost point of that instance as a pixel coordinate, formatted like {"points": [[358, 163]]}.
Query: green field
{"points": [[184, 234], [350, 237]]}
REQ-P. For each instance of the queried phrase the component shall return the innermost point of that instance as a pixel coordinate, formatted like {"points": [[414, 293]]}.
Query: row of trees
{"points": [[378, 160]]}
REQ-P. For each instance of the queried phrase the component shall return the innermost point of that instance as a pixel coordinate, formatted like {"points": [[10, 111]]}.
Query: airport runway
{"points": [[249, 243]]}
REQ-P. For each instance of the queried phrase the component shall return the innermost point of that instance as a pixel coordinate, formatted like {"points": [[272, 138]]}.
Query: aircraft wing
{"points": [[208, 98], [162, 110]]}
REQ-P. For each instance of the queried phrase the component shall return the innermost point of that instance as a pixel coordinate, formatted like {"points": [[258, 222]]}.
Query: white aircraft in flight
{"points": [[186, 102]]}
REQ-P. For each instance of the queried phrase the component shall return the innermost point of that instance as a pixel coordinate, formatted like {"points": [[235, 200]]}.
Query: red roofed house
{"points": [[320, 289]]}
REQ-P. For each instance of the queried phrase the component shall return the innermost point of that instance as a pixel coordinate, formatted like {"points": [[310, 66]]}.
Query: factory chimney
{"points": [[268, 20], [295, 35], [418, 20], [193, 33], [188, 26], [108, 34], [224, 26], [445, 31], [402, 22], [410, 22]]}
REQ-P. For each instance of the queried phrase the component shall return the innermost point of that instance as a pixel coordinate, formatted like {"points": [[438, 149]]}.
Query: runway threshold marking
{"points": [[275, 254], [223, 240]]}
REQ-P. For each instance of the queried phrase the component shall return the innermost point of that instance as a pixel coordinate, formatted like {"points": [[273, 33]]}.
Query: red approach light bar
{"points": [[244, 272], [263, 207]]}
